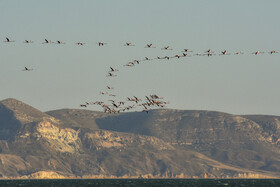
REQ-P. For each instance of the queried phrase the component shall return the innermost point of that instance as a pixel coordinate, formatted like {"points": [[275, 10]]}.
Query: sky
{"points": [[65, 76]]}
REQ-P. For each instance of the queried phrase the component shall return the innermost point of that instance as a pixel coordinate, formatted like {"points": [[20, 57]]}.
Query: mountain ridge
{"points": [[74, 143]]}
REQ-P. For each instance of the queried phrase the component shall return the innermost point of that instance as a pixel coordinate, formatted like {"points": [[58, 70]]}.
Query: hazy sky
{"points": [[67, 75]]}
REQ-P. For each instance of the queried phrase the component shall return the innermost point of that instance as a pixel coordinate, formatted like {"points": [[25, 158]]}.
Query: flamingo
{"points": [[166, 48], [209, 51], [59, 42], [176, 56], [159, 57], [8, 40], [130, 64], [112, 69], [137, 61], [257, 52], [103, 93], [27, 69], [272, 52], [224, 52], [101, 43], [185, 54], [111, 75], [47, 41], [239, 53], [146, 58], [128, 44], [150, 46], [79, 43], [28, 41], [186, 50]]}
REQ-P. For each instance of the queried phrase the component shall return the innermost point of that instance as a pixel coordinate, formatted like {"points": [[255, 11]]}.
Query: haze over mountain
{"points": [[163, 143]]}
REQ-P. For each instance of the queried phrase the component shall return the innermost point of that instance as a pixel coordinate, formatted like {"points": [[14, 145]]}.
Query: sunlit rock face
{"points": [[63, 140]]}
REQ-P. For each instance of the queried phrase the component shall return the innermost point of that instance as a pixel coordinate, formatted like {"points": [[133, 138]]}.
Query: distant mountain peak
{"points": [[22, 112]]}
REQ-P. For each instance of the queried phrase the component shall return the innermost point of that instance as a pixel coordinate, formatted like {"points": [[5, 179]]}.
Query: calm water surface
{"points": [[141, 182]]}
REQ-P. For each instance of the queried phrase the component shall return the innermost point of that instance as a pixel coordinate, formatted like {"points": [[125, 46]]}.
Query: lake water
{"points": [[141, 182]]}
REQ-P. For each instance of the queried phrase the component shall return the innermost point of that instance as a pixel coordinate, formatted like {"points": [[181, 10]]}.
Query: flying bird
{"points": [[209, 51], [186, 50], [137, 61], [27, 69], [146, 58], [8, 40], [224, 53], [59, 42], [28, 41], [166, 48], [112, 69], [128, 44], [257, 52], [80, 43], [149, 46], [239, 53], [101, 43], [176, 56], [111, 75], [272, 52], [47, 41]]}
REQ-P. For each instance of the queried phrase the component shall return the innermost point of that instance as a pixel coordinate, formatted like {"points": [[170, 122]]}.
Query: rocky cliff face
{"points": [[164, 143]]}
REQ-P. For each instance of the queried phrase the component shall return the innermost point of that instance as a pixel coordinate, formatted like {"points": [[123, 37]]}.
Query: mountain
{"points": [[71, 143], [245, 141]]}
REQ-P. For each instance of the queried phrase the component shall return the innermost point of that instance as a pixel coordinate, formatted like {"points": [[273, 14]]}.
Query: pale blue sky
{"points": [[66, 75]]}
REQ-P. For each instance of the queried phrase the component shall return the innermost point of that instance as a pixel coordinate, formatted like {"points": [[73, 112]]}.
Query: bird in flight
{"points": [[59, 42], [47, 41], [8, 40], [101, 43], [272, 52], [137, 61], [186, 50], [80, 43], [150, 46], [176, 56], [129, 64], [128, 44], [103, 93], [209, 54], [146, 58], [27, 69], [166, 48], [185, 54], [209, 51], [111, 75], [112, 69], [27, 41], [239, 53], [257, 52], [224, 53]]}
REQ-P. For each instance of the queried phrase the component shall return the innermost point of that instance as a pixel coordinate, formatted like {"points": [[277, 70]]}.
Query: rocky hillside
{"points": [[163, 143]]}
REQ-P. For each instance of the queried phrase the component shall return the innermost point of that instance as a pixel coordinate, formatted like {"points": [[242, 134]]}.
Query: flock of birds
{"points": [[114, 106], [150, 101]]}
